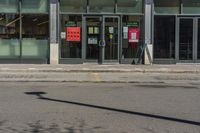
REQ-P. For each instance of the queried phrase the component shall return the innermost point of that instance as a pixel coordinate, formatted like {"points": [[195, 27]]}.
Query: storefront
{"points": [[24, 31], [86, 24], [84, 31], [176, 31]]}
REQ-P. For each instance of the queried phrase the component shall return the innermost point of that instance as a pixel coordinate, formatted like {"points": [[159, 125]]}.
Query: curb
{"points": [[104, 71], [73, 81]]}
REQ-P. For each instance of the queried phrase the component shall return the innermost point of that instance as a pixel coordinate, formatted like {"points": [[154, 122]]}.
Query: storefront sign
{"points": [[133, 24], [73, 34], [70, 24]]}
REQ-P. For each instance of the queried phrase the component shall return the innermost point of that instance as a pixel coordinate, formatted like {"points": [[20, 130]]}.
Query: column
{"points": [[148, 55], [54, 45]]}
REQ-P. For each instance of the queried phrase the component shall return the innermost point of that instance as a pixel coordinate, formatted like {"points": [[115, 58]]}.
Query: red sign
{"points": [[73, 34], [133, 35]]}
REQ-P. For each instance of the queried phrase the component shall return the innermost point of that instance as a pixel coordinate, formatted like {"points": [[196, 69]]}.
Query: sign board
{"points": [[133, 24], [73, 34], [133, 35], [70, 24]]}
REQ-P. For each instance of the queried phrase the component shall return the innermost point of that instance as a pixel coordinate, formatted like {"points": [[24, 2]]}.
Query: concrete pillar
{"points": [[54, 46], [148, 55]]}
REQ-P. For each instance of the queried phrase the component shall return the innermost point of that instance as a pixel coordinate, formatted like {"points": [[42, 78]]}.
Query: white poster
{"points": [[111, 30], [125, 29], [63, 35], [133, 36], [125, 35]]}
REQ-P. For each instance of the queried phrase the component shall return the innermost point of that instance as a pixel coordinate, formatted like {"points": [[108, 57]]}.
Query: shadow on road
{"points": [[41, 127], [40, 96]]}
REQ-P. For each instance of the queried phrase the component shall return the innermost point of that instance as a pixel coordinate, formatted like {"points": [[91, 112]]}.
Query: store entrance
{"points": [[188, 40], [102, 30]]}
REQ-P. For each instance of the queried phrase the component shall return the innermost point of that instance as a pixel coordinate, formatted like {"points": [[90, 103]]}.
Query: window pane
{"points": [[186, 39], [102, 6], [164, 37], [191, 6], [34, 6], [9, 6], [167, 6], [129, 6], [198, 45], [73, 5], [9, 35], [130, 49], [35, 32], [70, 49]]}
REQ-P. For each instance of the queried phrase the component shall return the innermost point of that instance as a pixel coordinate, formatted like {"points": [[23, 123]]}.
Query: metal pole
{"points": [[102, 42]]}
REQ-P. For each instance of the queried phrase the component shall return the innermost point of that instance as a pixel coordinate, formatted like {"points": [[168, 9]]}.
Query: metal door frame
{"points": [[84, 37], [195, 39], [118, 38]]}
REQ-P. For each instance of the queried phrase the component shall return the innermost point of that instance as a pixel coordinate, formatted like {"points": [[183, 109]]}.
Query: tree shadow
{"points": [[39, 127], [40, 96]]}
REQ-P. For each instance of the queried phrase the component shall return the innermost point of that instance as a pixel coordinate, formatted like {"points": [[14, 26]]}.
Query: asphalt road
{"points": [[46, 107]]}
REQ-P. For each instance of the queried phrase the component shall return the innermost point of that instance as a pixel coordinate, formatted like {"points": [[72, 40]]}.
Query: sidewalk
{"points": [[116, 68], [100, 73]]}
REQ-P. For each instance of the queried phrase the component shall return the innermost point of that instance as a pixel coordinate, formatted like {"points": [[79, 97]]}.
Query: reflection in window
{"points": [[164, 37], [34, 6], [129, 6], [73, 5], [70, 49], [9, 6], [9, 35], [167, 6], [35, 32], [191, 6], [102, 6]]}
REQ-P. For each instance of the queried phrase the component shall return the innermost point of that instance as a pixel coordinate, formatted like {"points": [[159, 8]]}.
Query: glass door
{"points": [[111, 35], [187, 40], [93, 36], [102, 29]]}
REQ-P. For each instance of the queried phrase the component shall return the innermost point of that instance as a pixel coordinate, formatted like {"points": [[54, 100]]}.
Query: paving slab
{"points": [[190, 68]]}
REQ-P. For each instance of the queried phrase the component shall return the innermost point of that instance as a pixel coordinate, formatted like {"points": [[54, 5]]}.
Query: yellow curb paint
{"points": [[97, 77]]}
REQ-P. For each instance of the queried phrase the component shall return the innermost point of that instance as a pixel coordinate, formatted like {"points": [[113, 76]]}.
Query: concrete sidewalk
{"points": [[100, 73], [114, 68]]}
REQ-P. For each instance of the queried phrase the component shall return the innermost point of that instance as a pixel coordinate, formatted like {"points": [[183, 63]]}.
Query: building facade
{"points": [[84, 31]]}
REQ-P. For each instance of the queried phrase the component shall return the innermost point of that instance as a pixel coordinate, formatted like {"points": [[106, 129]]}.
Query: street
{"points": [[53, 107]]}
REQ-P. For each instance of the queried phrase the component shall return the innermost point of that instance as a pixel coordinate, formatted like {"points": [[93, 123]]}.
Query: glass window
{"points": [[129, 6], [93, 37], [164, 37], [191, 6], [73, 5], [9, 6], [9, 35], [129, 50], [34, 6], [198, 45], [35, 33], [102, 6], [70, 48], [186, 39], [167, 6]]}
